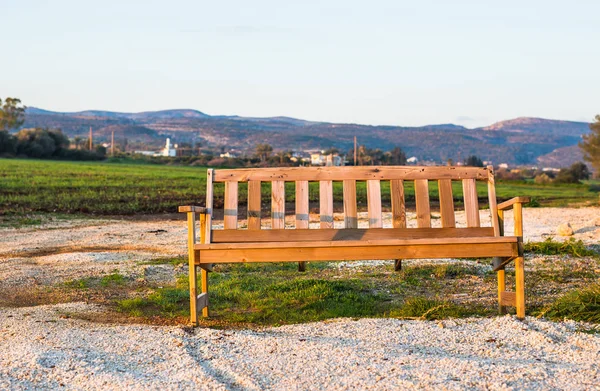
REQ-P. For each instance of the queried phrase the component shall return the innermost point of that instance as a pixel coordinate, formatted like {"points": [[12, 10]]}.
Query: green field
{"points": [[28, 186]]}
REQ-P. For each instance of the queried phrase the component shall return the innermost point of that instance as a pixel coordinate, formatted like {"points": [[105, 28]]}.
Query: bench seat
{"points": [[344, 250]]}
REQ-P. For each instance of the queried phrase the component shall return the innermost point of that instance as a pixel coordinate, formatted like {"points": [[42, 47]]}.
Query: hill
{"points": [[516, 141]]}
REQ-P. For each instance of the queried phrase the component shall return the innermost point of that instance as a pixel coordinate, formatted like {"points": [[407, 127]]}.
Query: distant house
{"points": [[503, 165], [230, 155], [318, 159], [412, 160]]}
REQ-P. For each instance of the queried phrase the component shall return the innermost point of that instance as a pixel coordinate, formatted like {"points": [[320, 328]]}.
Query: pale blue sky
{"points": [[372, 62]]}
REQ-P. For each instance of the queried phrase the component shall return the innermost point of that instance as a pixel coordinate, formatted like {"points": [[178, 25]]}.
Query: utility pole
{"points": [[91, 143], [112, 144], [355, 150]]}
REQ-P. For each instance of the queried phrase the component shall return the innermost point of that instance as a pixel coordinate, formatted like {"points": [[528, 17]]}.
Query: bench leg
{"points": [[193, 294], [204, 276], [398, 265], [520, 287], [301, 266], [501, 288]]}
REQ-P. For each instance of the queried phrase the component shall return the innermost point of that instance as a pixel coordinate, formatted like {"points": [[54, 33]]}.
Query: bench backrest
{"points": [[373, 175]]}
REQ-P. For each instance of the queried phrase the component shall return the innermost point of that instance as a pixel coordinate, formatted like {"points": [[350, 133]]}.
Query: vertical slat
{"points": [[278, 204], [422, 199], [471, 202], [206, 232], [231, 205], [492, 201], [254, 200], [326, 203], [193, 281], [203, 271], [302, 213], [350, 215], [446, 203], [398, 205], [374, 203]]}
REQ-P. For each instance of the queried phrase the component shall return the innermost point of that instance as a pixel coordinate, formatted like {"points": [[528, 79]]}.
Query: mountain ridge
{"points": [[520, 140]]}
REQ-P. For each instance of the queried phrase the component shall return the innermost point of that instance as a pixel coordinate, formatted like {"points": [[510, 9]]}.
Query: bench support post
{"points": [[501, 290], [204, 271], [397, 265], [520, 287], [193, 281], [301, 266]]}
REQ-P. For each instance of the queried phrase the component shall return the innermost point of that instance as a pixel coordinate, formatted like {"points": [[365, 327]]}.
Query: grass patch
{"points": [[427, 309], [552, 247], [82, 283], [98, 188], [112, 279], [580, 305], [276, 294]]}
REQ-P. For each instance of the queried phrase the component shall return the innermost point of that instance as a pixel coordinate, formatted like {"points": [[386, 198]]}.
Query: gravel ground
{"points": [[41, 348]]}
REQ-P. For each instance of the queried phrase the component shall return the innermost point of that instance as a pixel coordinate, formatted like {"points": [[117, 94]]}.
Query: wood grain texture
{"points": [[209, 204], [446, 203], [231, 205], [520, 287], [278, 205], [350, 214], [492, 201], [302, 210], [471, 202], [374, 203], [326, 204], [508, 299], [398, 203], [327, 253], [306, 235], [254, 204], [358, 243], [422, 200], [357, 173]]}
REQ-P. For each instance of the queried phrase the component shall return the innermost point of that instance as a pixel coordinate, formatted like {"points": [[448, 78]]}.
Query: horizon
{"points": [[296, 118], [469, 63]]}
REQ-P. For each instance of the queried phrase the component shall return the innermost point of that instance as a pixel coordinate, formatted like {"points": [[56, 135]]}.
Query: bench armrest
{"points": [[517, 200], [193, 209]]}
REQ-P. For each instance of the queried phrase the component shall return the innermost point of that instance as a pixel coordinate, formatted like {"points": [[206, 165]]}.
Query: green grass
{"points": [[111, 280], [275, 294], [580, 305], [124, 189], [552, 247]]}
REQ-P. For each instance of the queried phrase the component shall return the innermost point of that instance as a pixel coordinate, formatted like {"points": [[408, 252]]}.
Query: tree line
{"points": [[35, 143]]}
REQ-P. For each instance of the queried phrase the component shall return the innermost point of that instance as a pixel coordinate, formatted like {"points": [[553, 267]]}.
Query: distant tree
{"points": [[12, 114], [473, 161], [263, 151], [449, 162], [41, 143], [101, 150], [397, 157], [590, 145], [331, 151], [573, 174]]}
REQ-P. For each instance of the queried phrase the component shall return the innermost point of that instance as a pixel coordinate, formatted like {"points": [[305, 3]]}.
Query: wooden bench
{"points": [[281, 244]]}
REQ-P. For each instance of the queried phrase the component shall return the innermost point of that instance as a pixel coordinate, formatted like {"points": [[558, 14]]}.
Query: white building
{"points": [[167, 150], [412, 160]]}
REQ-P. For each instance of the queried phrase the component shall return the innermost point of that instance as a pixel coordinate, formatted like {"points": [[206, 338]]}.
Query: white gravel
{"points": [[39, 349]]}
